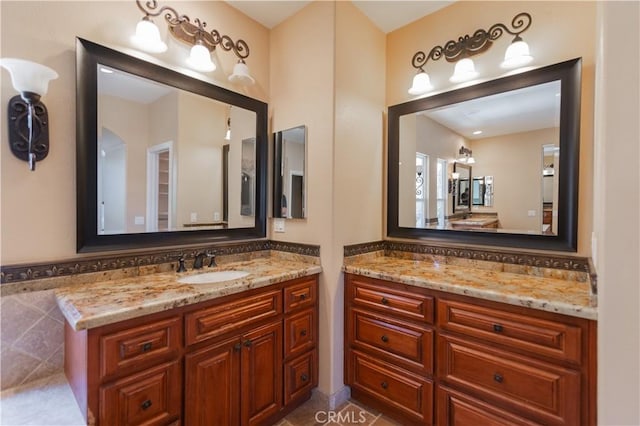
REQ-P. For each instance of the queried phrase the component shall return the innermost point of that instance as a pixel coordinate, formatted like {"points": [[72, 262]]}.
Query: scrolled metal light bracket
{"points": [[469, 45], [181, 28]]}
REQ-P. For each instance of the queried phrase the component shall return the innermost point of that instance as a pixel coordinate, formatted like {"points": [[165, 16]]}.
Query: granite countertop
{"points": [[92, 305], [569, 297]]}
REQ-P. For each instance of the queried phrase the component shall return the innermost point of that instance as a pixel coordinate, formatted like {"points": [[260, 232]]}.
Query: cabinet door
{"points": [[212, 385], [261, 372]]}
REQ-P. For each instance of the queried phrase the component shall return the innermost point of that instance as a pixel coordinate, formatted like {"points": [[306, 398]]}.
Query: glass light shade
{"points": [[471, 160], [200, 59], [464, 70], [147, 37], [455, 175], [421, 84], [517, 55], [27, 76], [227, 136], [241, 74]]}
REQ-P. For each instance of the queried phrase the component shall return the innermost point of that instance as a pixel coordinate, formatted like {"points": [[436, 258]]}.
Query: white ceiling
{"points": [[388, 15], [128, 86]]}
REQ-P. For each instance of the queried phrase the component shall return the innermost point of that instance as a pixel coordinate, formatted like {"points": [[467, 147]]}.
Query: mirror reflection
{"points": [[289, 173], [171, 160], [489, 163]]}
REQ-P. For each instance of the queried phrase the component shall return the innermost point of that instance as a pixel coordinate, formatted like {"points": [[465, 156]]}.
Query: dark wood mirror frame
{"points": [[88, 56], [569, 74]]}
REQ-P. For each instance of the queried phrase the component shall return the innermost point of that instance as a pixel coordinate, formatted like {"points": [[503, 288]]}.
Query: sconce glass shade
{"points": [[27, 76], [421, 84], [464, 70], [200, 58], [147, 37], [227, 136], [471, 160], [455, 175], [241, 74], [517, 54]]}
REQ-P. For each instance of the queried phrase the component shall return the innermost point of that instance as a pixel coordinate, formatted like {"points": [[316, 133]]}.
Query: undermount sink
{"points": [[213, 277]]}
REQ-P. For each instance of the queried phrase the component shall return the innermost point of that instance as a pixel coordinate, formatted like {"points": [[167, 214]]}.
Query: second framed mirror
{"points": [[289, 173]]}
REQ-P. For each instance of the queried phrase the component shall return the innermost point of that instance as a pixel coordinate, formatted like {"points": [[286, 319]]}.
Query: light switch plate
{"points": [[531, 213], [139, 220], [278, 225], [194, 217]]}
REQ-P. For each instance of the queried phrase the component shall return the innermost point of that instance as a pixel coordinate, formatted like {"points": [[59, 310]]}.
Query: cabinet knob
{"points": [[247, 343], [385, 301], [303, 332], [384, 385], [237, 347], [304, 377], [497, 328], [145, 405], [303, 296], [498, 378], [384, 338], [147, 347]]}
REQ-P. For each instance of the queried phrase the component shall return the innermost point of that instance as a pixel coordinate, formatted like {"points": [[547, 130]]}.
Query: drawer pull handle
{"points": [[303, 296], [385, 301], [145, 405], [304, 377], [498, 378], [497, 328], [384, 385], [384, 338], [303, 333], [147, 347]]}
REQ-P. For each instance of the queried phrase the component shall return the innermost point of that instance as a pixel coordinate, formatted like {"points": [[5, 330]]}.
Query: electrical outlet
{"points": [[194, 217], [278, 225], [531, 213], [216, 216]]}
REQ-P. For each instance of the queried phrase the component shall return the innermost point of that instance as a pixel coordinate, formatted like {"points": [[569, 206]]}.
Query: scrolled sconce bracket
{"points": [[181, 28], [18, 113], [469, 45]]}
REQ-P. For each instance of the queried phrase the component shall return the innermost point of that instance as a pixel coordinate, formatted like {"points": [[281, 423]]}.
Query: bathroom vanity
{"points": [[151, 350], [434, 343]]}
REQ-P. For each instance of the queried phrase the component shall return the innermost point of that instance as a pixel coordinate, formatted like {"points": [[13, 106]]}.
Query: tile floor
{"points": [[50, 402]]}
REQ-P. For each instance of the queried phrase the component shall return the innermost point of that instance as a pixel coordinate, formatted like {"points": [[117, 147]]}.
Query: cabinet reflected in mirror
{"points": [[289, 180]]}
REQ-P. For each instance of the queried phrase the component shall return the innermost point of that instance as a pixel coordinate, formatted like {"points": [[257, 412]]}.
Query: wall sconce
{"points": [[227, 135], [28, 116], [202, 42], [459, 51], [465, 156], [452, 182]]}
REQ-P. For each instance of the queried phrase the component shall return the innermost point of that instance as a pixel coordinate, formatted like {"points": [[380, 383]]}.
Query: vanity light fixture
{"points": [[202, 42], [28, 116], [227, 136], [465, 156], [459, 51], [453, 181]]}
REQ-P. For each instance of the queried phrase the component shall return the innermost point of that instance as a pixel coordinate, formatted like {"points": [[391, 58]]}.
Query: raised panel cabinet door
{"points": [[261, 374], [151, 397], [212, 385]]}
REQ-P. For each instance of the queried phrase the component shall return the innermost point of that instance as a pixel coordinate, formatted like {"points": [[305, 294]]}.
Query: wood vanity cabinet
{"points": [[245, 359], [457, 360]]}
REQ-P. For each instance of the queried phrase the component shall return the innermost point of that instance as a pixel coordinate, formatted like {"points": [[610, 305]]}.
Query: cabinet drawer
{"points": [[398, 341], [138, 347], [301, 296], [227, 317], [406, 392], [457, 409], [401, 303], [149, 397], [300, 332], [299, 376], [547, 392], [538, 336]]}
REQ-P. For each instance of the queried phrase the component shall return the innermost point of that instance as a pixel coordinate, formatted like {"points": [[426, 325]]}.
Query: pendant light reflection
{"points": [[147, 37]]}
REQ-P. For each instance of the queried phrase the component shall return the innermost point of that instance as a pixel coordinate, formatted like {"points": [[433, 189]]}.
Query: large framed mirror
{"points": [[520, 133], [163, 158]]}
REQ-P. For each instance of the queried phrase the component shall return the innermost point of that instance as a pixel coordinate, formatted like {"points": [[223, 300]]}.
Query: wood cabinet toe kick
{"points": [[429, 357], [244, 359]]}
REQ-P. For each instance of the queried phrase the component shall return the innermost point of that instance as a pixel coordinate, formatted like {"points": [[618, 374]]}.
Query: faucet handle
{"points": [[181, 267], [212, 260]]}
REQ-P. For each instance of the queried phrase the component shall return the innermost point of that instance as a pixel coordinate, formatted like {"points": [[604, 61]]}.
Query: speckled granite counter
{"points": [[87, 306], [548, 293]]}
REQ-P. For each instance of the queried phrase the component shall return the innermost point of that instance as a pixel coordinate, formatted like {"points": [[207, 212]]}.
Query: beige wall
{"points": [[515, 162], [27, 235], [617, 218], [559, 31]]}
